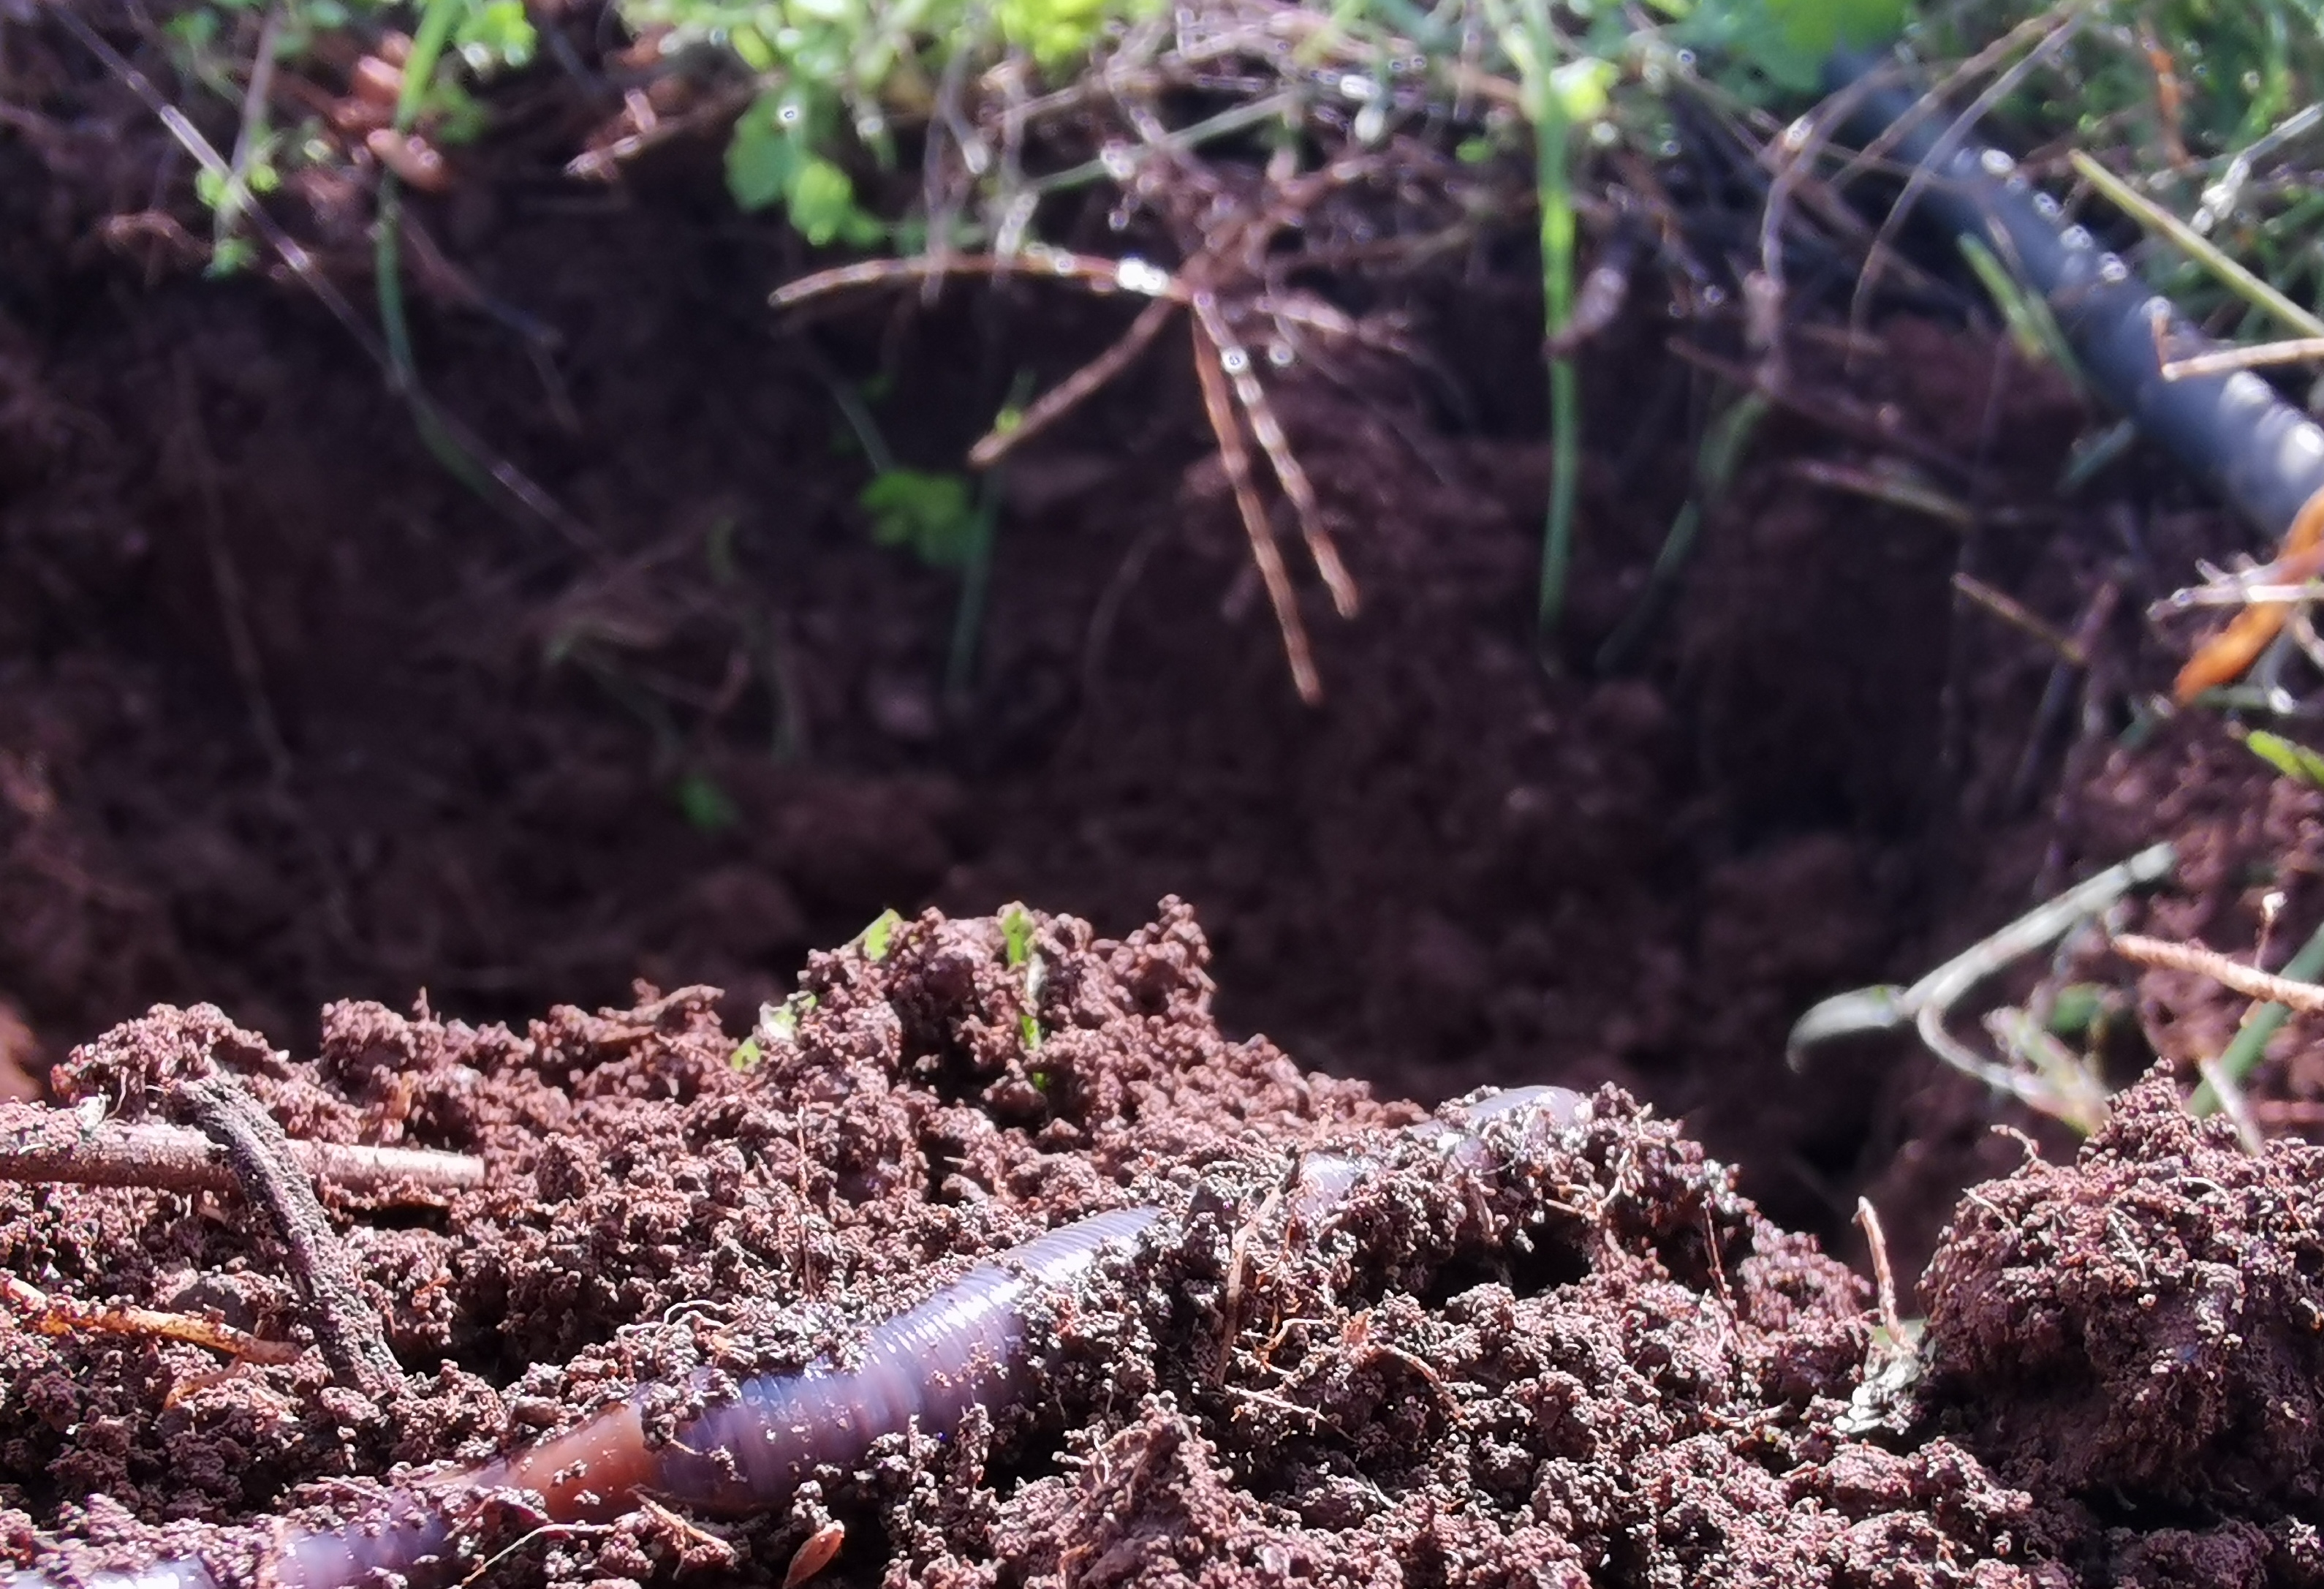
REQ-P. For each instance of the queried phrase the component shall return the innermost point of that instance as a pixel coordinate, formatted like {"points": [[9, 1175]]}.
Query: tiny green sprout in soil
{"points": [[874, 939], [1017, 929]]}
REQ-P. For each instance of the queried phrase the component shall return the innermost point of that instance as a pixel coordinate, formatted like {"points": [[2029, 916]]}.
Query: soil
{"points": [[1615, 1371], [289, 716]]}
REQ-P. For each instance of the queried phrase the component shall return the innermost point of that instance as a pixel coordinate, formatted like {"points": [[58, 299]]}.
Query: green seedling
{"points": [[933, 516], [1017, 929], [874, 940], [777, 1027], [2295, 761]]}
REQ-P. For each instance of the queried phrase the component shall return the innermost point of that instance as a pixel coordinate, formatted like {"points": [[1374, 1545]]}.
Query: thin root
{"points": [[1234, 360], [1264, 555], [2303, 998], [39, 1144]]}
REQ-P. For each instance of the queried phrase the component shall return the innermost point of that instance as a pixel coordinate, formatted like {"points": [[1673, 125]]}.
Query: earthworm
{"points": [[964, 1347]]}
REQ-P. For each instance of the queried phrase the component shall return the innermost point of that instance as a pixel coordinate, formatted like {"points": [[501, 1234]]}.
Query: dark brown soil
{"points": [[1621, 1374]]}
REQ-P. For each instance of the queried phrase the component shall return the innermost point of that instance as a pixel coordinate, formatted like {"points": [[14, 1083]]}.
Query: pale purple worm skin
{"points": [[964, 1348]]}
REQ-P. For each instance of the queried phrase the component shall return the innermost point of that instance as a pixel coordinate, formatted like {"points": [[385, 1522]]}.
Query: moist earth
{"points": [[1611, 1371]]}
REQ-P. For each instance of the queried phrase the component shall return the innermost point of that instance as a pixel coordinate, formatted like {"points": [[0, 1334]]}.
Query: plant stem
{"points": [[975, 581], [1554, 179]]}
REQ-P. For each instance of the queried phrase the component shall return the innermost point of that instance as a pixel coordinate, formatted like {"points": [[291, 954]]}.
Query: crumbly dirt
{"points": [[1612, 1371]]}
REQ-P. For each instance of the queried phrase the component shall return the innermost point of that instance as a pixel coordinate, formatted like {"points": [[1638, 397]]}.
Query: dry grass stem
{"points": [[2303, 998]]}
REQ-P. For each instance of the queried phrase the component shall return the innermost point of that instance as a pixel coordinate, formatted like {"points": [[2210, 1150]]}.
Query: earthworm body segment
{"points": [[966, 1346]]}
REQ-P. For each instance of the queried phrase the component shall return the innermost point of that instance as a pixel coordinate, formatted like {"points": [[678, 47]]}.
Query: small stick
{"points": [[2304, 998], [1104, 275], [57, 1145], [2243, 1054], [61, 1315], [2225, 361], [2245, 285], [347, 1325]]}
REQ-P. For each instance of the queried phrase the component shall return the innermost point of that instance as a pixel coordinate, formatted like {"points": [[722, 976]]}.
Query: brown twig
{"points": [[347, 1325], [2303, 998], [56, 1145], [1095, 271], [62, 1316]]}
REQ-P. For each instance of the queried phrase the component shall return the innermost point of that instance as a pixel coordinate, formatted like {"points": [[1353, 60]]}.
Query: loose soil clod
{"points": [[1610, 1369]]}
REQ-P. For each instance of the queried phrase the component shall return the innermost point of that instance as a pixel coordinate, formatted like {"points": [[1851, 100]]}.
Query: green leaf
{"points": [[2295, 761], [822, 201], [1583, 87], [2078, 1007], [934, 516], [1016, 934], [763, 154], [196, 30], [1053, 32], [1819, 26], [875, 938], [493, 35], [746, 1054], [229, 256]]}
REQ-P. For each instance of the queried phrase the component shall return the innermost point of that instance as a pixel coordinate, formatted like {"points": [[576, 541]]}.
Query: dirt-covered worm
{"points": [[964, 1347]]}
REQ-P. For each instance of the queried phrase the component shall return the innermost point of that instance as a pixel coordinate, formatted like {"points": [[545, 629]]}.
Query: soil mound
{"points": [[1597, 1365], [2143, 1332], [1610, 1369]]}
